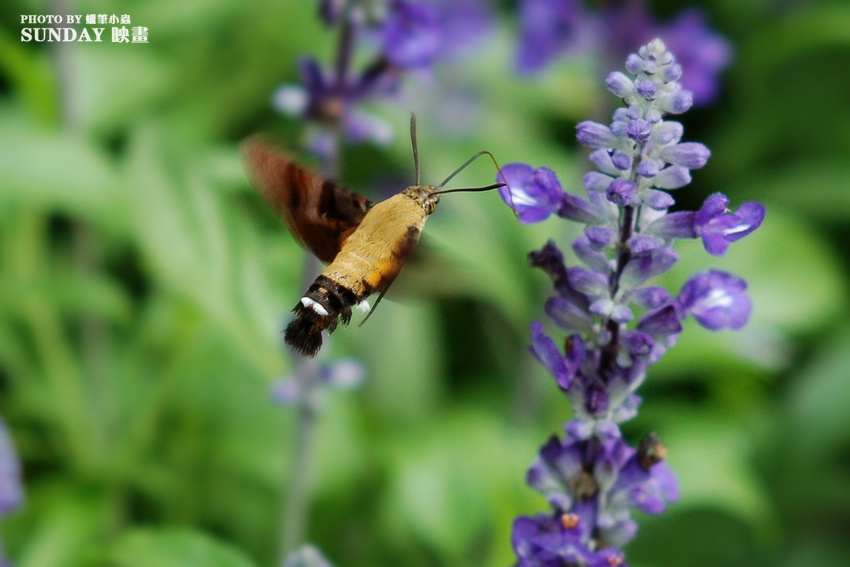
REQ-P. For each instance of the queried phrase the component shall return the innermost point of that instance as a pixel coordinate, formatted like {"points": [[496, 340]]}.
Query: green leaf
{"points": [[173, 547], [197, 248], [788, 185], [30, 73], [820, 420], [801, 32], [57, 171], [58, 525], [111, 86], [711, 458], [450, 481]]}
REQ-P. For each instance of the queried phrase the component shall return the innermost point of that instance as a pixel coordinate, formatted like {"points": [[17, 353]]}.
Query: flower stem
{"points": [[295, 514]]}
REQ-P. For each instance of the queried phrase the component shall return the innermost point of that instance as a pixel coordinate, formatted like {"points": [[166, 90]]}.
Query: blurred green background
{"points": [[143, 286]]}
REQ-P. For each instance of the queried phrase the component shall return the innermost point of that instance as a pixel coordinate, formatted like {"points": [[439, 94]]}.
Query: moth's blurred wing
{"points": [[319, 213]]}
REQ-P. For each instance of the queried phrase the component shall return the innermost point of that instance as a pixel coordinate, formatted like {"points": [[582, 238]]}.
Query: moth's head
{"points": [[425, 195]]}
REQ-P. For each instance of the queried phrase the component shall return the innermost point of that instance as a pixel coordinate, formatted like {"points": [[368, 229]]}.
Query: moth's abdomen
{"points": [[325, 305], [368, 262]]}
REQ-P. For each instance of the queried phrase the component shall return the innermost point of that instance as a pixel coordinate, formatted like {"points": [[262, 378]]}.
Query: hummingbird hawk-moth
{"points": [[365, 244]]}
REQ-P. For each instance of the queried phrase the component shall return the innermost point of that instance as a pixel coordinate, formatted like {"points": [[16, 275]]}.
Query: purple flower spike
{"points": [[618, 325], [717, 300], [533, 193]]}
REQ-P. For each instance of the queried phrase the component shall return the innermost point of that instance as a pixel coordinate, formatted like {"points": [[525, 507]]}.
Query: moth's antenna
{"points": [[415, 147]]}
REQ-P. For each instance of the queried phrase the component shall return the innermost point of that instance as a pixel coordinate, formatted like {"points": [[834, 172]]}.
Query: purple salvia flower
{"points": [[549, 356], [411, 37], [555, 471], [313, 380], [569, 316], [533, 193], [463, 24], [673, 225], [690, 155], [718, 227], [640, 268], [550, 541], [667, 133], [11, 488], [641, 244], [646, 89], [550, 259], [639, 130], [658, 200], [649, 297], [605, 161], [703, 54], [324, 101], [716, 300], [620, 85], [548, 28], [714, 223], [599, 237], [648, 168], [592, 211], [595, 135], [588, 282], [596, 181], [590, 251], [664, 326], [672, 177], [621, 192], [617, 325]]}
